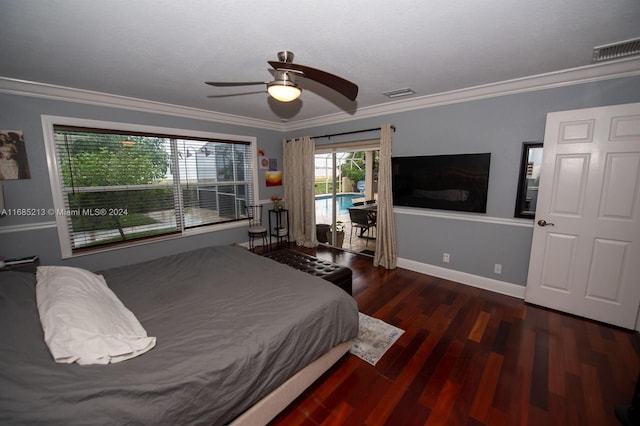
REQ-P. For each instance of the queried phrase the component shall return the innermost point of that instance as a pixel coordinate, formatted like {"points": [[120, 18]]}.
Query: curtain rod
{"points": [[393, 128]]}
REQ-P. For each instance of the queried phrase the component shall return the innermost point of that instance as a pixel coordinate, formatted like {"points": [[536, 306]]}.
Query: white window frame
{"points": [[48, 122]]}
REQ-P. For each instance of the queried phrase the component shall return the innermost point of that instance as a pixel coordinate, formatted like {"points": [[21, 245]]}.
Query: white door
{"points": [[586, 259]]}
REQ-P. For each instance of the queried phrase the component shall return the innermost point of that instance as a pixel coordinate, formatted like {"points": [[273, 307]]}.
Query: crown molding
{"points": [[603, 71], [70, 94], [595, 72]]}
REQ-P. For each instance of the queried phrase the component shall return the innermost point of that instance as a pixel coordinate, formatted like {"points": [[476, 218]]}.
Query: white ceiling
{"points": [[164, 50]]}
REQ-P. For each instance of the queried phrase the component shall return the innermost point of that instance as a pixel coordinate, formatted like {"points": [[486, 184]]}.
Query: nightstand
{"points": [[24, 264]]}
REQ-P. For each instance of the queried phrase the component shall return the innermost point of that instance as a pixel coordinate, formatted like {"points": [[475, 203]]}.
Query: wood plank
{"points": [[593, 396], [519, 403], [409, 410], [540, 377], [556, 362], [444, 404], [364, 399], [570, 349], [468, 370], [557, 411], [432, 391], [478, 327], [338, 415], [482, 401]]}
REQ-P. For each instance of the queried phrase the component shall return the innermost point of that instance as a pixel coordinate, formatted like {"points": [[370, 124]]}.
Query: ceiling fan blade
{"points": [[234, 83], [339, 84], [236, 94]]}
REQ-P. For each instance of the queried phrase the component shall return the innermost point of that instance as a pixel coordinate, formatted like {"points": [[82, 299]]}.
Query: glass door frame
{"points": [[332, 152]]}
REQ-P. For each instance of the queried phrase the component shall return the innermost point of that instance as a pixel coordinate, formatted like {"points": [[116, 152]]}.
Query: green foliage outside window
{"points": [[104, 160], [354, 166]]}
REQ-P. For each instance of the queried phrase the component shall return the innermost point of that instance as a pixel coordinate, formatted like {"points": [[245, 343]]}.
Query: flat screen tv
{"points": [[448, 182]]}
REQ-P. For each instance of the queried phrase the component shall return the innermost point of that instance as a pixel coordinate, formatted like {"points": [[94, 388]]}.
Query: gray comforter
{"points": [[230, 325]]}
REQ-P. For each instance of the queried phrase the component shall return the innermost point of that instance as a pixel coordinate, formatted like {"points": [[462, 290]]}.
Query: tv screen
{"points": [[447, 182]]}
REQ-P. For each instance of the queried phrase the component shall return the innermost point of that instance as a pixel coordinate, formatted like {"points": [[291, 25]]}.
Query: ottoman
{"points": [[338, 275]]}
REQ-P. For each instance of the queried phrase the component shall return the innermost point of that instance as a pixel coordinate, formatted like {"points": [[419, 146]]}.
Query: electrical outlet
{"points": [[445, 257], [497, 268]]}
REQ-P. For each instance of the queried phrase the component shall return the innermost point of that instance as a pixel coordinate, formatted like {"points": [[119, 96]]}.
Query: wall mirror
{"points": [[529, 179]]}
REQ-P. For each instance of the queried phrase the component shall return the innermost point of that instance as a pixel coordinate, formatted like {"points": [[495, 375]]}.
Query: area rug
{"points": [[375, 337]]}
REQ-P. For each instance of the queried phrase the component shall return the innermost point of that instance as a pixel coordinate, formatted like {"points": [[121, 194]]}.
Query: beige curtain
{"points": [[299, 195], [386, 253]]}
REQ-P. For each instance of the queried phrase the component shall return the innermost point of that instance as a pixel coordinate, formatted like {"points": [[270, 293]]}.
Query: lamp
{"points": [[283, 88]]}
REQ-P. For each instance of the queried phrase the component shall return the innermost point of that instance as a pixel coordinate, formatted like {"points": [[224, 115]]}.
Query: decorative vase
{"points": [[339, 238]]}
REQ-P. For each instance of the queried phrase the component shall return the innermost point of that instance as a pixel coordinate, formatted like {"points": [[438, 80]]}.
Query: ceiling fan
{"points": [[284, 87]]}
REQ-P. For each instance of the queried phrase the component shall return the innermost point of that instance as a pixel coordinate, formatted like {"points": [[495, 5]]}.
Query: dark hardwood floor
{"points": [[469, 357]]}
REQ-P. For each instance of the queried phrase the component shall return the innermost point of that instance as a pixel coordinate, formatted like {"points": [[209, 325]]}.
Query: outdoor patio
{"points": [[357, 244], [350, 243]]}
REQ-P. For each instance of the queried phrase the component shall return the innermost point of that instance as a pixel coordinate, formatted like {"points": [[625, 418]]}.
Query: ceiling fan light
{"points": [[283, 90]]}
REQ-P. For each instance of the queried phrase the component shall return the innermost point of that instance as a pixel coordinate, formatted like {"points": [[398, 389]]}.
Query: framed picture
{"points": [[273, 178], [263, 162], [13, 156]]}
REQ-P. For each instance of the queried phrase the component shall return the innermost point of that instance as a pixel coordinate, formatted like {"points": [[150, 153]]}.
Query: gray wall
{"points": [[498, 125], [24, 113]]}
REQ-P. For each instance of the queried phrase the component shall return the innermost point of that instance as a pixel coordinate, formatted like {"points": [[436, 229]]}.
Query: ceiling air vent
{"points": [[398, 93], [621, 49]]}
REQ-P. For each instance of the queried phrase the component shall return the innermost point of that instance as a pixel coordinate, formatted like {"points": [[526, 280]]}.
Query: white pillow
{"points": [[84, 321]]}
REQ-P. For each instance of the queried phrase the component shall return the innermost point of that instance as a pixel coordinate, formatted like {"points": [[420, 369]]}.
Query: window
{"points": [[115, 184]]}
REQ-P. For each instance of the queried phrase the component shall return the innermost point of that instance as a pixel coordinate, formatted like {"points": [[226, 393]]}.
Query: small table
{"points": [[279, 227]]}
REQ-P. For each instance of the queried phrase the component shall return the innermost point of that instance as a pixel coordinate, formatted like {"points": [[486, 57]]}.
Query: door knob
{"points": [[543, 222]]}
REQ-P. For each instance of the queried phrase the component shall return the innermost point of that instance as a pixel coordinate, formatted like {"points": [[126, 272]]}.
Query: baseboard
{"points": [[490, 284]]}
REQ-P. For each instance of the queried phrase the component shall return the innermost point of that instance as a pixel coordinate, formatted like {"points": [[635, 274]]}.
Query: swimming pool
{"points": [[344, 202]]}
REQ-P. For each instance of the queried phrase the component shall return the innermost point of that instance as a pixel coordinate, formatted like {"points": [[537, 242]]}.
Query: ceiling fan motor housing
{"points": [[284, 77], [285, 56]]}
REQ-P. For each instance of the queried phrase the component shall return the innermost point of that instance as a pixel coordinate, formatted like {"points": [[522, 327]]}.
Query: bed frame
{"points": [[271, 405]]}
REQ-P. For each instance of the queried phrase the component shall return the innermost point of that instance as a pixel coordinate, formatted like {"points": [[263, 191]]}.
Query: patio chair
{"points": [[361, 220]]}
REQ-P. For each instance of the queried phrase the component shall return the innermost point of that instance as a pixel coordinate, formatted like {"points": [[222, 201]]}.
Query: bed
{"points": [[238, 336]]}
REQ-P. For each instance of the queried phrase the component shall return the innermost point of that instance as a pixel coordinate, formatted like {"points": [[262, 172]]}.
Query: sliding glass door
{"points": [[346, 180]]}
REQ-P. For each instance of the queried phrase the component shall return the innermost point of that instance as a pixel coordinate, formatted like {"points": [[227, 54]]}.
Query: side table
{"points": [[279, 227], [25, 264]]}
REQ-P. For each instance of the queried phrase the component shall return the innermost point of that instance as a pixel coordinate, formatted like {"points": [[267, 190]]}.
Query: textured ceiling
{"points": [[164, 50]]}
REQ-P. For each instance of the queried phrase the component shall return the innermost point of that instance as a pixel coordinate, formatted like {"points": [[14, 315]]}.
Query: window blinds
{"points": [[121, 187]]}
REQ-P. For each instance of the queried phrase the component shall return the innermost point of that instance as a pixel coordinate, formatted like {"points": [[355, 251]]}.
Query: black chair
{"points": [[256, 229], [361, 219]]}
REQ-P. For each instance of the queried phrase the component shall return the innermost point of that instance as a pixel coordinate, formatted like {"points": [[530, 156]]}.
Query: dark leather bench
{"points": [[339, 275]]}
